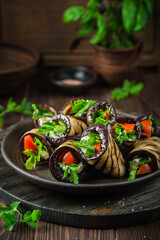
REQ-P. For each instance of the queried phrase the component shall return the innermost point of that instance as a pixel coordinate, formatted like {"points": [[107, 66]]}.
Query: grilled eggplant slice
{"points": [[148, 126], [42, 113], [60, 128], [99, 149], [126, 131], [101, 112], [77, 108], [66, 164], [34, 149], [145, 151]]}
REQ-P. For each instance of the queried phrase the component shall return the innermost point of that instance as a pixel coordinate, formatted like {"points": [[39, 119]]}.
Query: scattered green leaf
{"points": [[80, 106], [10, 219]]}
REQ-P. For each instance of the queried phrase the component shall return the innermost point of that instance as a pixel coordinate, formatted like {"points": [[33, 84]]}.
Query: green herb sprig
{"points": [[135, 167], [88, 144], [80, 106], [25, 108], [58, 127], [98, 117], [10, 219], [39, 113], [122, 136], [34, 157], [128, 88], [71, 169]]}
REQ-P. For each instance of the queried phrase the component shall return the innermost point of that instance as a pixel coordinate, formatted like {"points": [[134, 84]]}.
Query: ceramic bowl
{"points": [[73, 80]]}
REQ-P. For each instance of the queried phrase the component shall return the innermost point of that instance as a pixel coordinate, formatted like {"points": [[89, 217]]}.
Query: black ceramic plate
{"points": [[41, 174]]}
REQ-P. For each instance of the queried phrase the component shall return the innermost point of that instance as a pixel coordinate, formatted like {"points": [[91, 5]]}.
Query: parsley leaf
{"points": [[58, 127], [39, 113], [88, 145], [128, 88], [122, 136], [25, 108], [98, 117], [10, 219], [35, 157], [71, 170], [81, 105]]}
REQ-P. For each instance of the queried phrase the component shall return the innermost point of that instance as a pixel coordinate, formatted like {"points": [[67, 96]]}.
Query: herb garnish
{"points": [[35, 157], [80, 106], [122, 136], [135, 165], [25, 108], [98, 117], [57, 127], [71, 169], [10, 219], [153, 123], [39, 113], [88, 144], [128, 88]]}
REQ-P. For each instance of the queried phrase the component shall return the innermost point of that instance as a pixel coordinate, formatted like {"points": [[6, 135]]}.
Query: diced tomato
{"points": [[128, 126], [29, 143], [68, 158], [71, 112], [106, 116], [97, 147], [145, 168], [146, 128]]}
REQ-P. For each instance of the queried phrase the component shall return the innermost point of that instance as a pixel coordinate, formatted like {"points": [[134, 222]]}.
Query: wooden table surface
{"points": [[39, 90]]}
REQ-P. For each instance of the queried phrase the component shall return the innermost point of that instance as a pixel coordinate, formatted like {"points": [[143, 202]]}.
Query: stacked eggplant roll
{"points": [[87, 139]]}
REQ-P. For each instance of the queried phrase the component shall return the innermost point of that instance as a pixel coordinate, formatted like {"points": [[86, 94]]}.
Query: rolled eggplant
{"points": [[144, 158], [126, 131], [148, 126], [60, 128], [77, 108], [99, 149], [42, 113], [101, 112], [34, 149], [66, 164]]}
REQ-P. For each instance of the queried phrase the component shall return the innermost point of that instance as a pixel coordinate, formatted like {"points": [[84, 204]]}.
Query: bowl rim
{"points": [[33, 52], [89, 82]]}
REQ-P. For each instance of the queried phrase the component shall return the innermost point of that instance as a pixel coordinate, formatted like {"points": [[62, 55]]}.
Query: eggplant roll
{"points": [[61, 127], [77, 108], [42, 113], [126, 131], [99, 149], [147, 147], [34, 149], [148, 126], [66, 164], [101, 112]]}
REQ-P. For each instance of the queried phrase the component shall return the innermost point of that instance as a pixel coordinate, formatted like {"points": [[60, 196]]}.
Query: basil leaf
{"points": [[141, 19], [73, 14], [129, 12]]}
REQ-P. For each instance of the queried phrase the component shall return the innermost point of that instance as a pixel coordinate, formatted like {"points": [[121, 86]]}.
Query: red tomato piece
{"points": [[69, 158], [106, 116], [97, 147], [29, 143], [128, 126], [146, 128], [144, 168]]}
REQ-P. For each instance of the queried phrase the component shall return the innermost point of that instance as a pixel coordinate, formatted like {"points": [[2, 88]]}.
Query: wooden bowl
{"points": [[17, 63], [73, 80]]}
